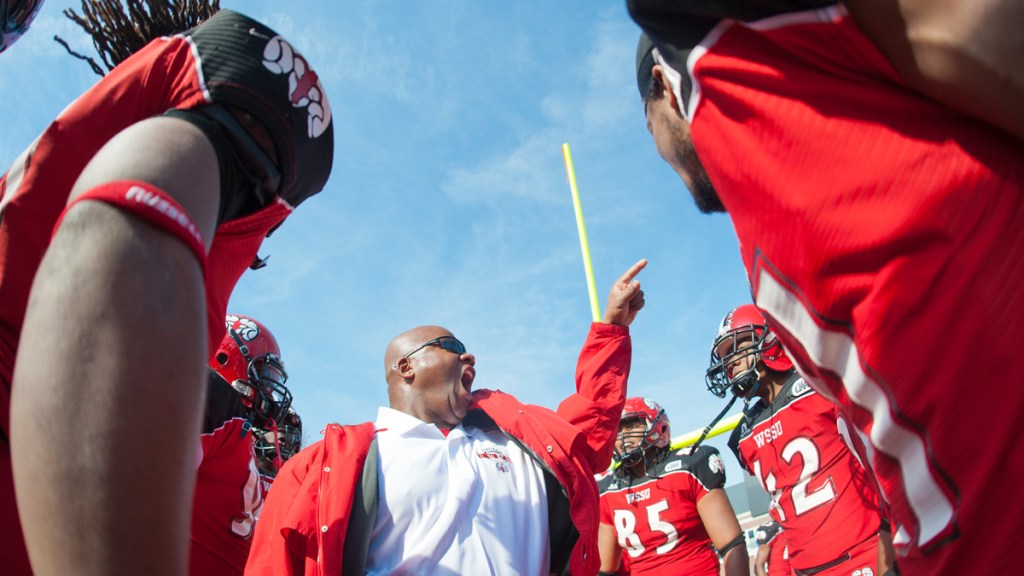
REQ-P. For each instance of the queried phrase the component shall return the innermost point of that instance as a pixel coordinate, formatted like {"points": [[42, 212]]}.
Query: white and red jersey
{"points": [[229, 488], [881, 232], [656, 518], [821, 496]]}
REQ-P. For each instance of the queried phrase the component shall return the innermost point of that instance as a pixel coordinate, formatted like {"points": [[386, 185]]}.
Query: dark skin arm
{"points": [[608, 547], [764, 551], [721, 524], [108, 387], [963, 54], [886, 553]]}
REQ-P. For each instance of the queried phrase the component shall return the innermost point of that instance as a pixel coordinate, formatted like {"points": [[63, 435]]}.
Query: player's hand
{"points": [[626, 297]]}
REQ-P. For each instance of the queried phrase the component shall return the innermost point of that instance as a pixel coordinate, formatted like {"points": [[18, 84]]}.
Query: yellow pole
{"points": [[722, 427], [588, 268]]}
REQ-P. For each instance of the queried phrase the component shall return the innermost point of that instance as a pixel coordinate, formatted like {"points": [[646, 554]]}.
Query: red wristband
{"points": [[153, 205]]}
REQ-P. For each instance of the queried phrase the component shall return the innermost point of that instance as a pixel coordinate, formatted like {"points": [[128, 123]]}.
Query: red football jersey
{"points": [[778, 559], [655, 517], [33, 193], [229, 488], [180, 72], [881, 232], [821, 496], [162, 76]]}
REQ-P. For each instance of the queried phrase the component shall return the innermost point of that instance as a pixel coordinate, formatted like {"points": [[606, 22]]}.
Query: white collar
{"points": [[408, 425]]}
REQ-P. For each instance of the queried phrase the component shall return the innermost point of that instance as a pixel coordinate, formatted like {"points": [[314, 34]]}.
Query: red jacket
{"points": [[303, 525]]}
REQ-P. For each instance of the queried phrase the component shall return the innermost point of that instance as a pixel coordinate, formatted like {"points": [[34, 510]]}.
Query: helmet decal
{"points": [[726, 324], [246, 328], [304, 87], [249, 67]]}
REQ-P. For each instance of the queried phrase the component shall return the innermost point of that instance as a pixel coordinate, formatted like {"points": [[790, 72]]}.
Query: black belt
{"points": [[823, 567]]}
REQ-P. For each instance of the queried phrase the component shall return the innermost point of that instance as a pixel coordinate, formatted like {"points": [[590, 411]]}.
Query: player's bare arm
{"points": [[608, 548], [963, 54], [91, 498], [720, 522], [761, 559]]}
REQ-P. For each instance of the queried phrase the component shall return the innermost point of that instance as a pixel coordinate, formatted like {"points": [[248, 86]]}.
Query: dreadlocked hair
{"points": [[117, 34]]}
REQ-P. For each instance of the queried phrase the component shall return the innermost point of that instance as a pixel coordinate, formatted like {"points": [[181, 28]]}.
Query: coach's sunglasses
{"points": [[449, 343]]}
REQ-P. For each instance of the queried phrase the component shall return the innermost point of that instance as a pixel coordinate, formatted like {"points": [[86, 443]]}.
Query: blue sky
{"points": [[449, 204]]}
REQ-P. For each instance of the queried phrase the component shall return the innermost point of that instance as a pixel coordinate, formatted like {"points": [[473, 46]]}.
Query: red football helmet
{"points": [[249, 359], [743, 333], [657, 433]]}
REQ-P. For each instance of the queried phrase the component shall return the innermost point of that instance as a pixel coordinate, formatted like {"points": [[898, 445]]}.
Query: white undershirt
{"points": [[471, 503]]}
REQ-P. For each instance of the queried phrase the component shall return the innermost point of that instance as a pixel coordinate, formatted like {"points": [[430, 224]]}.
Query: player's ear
{"points": [[665, 87]]}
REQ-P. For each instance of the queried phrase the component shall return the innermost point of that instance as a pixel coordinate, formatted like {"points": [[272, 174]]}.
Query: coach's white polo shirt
{"points": [[471, 503]]}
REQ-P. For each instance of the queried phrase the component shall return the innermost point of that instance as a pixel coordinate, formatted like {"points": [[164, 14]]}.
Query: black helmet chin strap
{"points": [[241, 346], [247, 425], [707, 430]]}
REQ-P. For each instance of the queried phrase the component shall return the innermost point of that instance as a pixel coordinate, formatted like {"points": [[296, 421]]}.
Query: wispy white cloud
{"points": [[524, 173]]}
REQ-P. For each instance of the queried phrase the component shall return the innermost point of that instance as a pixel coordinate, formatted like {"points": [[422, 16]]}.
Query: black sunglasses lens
{"points": [[452, 344]]}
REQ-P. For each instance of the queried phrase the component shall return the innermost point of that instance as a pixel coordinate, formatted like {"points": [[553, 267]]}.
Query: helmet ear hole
{"points": [[222, 358]]}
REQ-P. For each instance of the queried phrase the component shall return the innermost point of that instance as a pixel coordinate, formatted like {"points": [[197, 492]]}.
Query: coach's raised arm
{"points": [[454, 481]]}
